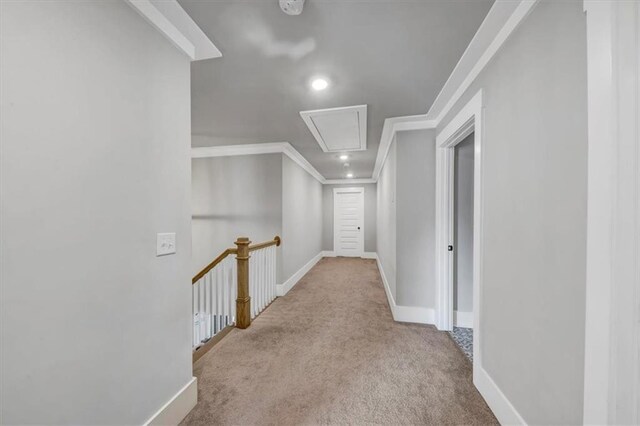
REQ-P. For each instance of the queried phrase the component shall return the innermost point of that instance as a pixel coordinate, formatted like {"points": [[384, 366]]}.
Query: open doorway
{"points": [[467, 123], [463, 160]]}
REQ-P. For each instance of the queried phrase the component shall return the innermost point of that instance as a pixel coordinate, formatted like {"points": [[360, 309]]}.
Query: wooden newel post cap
{"points": [[242, 241]]}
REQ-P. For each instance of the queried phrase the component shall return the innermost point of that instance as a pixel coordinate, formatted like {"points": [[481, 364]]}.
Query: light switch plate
{"points": [[166, 244]]}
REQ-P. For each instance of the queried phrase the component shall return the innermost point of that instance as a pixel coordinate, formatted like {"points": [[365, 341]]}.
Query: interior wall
{"points": [[463, 226], [415, 210], [370, 202], [534, 213], [386, 219], [233, 197], [94, 162], [301, 217]]}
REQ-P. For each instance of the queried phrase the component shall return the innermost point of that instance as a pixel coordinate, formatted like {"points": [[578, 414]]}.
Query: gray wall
{"points": [[233, 197], [386, 215], [369, 215], [301, 217], [534, 214], [95, 107], [415, 214], [463, 226]]}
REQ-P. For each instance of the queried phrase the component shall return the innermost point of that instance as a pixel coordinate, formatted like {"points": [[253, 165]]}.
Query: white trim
{"points": [[365, 255], [282, 289], [170, 19], [256, 149], [463, 319], [468, 120], [389, 130], [612, 324], [297, 158], [352, 190], [348, 181], [413, 314], [178, 406], [243, 149], [500, 405], [503, 18], [501, 21], [360, 110]]}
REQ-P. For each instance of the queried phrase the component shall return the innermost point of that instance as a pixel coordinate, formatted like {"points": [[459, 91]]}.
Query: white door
{"points": [[348, 221]]}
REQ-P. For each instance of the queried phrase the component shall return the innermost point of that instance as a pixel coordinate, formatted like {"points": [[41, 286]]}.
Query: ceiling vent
{"points": [[338, 129]]}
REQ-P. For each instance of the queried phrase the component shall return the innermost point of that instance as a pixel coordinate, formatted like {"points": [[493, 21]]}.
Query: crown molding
{"points": [[348, 181], [259, 148], [501, 21], [170, 19], [389, 130], [503, 18]]}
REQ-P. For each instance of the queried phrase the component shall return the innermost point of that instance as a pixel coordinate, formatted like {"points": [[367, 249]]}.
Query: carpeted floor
{"points": [[329, 352]]}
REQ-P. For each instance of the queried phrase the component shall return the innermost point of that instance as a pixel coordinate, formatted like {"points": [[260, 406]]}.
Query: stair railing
{"points": [[249, 280]]}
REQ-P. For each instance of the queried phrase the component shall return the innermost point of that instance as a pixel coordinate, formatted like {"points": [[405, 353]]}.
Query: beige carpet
{"points": [[329, 352]]}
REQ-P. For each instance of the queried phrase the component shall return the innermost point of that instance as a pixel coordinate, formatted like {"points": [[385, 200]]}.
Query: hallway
{"points": [[329, 352]]}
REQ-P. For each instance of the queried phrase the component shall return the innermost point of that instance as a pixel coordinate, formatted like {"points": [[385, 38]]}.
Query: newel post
{"points": [[243, 302]]}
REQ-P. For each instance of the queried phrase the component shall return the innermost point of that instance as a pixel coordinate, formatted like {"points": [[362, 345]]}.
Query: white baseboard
{"points": [[177, 407], [365, 255], [463, 319], [414, 314], [496, 400], [282, 289]]}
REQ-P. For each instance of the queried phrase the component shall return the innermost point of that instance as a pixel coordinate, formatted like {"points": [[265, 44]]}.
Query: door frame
{"points": [[612, 317], [468, 120], [348, 190]]}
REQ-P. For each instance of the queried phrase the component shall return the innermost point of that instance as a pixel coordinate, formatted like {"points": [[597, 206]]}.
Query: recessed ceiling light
{"points": [[345, 165], [344, 157], [349, 175], [319, 84]]}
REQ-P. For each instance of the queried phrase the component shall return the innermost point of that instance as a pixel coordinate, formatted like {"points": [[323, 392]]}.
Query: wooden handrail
{"points": [[274, 242], [243, 299], [210, 266]]}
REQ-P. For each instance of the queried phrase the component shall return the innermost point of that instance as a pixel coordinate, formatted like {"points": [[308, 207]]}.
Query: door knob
{"points": [[358, 228]]}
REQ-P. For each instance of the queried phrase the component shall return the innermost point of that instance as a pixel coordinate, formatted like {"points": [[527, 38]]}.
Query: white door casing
{"points": [[467, 121], [612, 327], [348, 221]]}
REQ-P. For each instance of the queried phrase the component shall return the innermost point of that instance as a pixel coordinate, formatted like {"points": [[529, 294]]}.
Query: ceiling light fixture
{"points": [[344, 157], [292, 7], [349, 175], [345, 165], [319, 84]]}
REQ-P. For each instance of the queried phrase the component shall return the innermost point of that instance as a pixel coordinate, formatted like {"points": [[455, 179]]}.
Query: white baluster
{"points": [[259, 279], [225, 312], [219, 296], [234, 284], [265, 281], [272, 271], [194, 311], [252, 285]]}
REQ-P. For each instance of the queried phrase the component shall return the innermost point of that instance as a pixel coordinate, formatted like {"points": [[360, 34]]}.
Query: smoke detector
{"points": [[292, 7]]}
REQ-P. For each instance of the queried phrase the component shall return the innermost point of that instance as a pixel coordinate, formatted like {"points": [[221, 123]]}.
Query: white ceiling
{"points": [[393, 56]]}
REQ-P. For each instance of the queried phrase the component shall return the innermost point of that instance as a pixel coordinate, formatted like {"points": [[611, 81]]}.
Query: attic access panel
{"points": [[338, 129]]}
